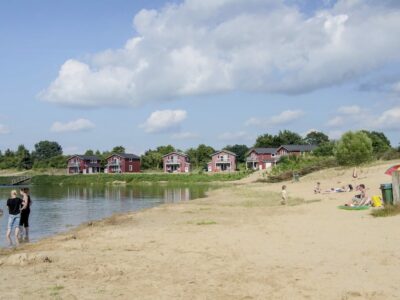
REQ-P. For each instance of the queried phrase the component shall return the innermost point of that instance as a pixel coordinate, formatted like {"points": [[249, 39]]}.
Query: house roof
{"points": [[300, 148], [176, 152], [264, 150], [125, 155], [86, 157], [224, 150]]}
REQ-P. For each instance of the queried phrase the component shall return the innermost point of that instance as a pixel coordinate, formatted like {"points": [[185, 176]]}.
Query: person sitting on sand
{"points": [[317, 188], [360, 199]]}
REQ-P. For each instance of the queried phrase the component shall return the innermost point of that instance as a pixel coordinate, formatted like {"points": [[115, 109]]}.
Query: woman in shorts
{"points": [[24, 220]]}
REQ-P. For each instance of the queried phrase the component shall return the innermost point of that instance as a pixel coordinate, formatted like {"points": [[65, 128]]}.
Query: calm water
{"points": [[57, 209]]}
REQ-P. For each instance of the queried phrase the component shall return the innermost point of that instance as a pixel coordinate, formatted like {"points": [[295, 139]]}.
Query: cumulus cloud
{"points": [[185, 136], [164, 120], [4, 129], [337, 121], [350, 110], [206, 46], [72, 126], [389, 119], [283, 118]]}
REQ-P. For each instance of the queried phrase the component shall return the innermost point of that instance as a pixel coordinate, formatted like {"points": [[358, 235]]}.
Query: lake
{"points": [[58, 208]]}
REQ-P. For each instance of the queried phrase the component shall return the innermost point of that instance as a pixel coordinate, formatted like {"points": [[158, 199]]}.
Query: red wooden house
{"points": [[261, 158], [123, 163], [295, 149], [176, 162], [222, 161], [83, 164]]}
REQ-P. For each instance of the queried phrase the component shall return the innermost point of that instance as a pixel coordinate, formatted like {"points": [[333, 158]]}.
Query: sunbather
{"points": [[360, 199]]}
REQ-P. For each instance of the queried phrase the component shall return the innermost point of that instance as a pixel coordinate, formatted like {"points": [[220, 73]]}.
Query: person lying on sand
{"points": [[335, 190]]}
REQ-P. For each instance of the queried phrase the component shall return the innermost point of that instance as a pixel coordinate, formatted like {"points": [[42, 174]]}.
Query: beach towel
{"points": [[346, 207]]}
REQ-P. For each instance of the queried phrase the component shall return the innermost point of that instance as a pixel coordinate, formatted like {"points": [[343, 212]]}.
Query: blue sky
{"points": [[96, 74]]}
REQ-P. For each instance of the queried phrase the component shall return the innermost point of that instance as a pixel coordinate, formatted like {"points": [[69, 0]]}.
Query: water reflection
{"points": [[57, 208]]}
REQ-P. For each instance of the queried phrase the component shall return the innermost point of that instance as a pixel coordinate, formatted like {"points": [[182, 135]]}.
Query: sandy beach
{"points": [[238, 243]]}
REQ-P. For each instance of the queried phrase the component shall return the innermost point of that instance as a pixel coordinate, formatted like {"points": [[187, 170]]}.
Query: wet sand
{"points": [[239, 243]]}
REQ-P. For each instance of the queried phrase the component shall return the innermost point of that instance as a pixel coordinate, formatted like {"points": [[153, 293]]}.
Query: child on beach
{"points": [[284, 195], [317, 188]]}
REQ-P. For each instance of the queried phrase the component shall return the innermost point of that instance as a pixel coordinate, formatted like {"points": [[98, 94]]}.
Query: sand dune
{"points": [[239, 243]]}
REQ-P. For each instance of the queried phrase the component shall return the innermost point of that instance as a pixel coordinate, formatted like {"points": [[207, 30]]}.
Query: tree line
{"points": [[352, 148]]}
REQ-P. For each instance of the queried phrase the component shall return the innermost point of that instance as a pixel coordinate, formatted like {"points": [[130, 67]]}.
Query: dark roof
{"points": [[175, 152], [224, 150], [300, 148], [264, 150], [125, 155], [86, 157]]}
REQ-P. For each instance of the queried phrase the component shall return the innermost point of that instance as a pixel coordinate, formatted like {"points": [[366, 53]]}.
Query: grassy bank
{"points": [[102, 179]]}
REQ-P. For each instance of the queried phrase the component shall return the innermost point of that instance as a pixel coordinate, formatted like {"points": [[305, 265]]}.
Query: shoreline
{"points": [[238, 243]]}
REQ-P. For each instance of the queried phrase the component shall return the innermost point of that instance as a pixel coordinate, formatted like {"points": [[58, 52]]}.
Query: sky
{"points": [[98, 74]]}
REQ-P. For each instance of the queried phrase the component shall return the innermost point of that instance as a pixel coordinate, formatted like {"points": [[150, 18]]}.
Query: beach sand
{"points": [[238, 243]]}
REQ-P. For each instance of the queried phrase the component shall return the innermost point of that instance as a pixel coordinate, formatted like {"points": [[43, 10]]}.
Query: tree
{"points": [[151, 159], [89, 152], [325, 149], [316, 138], [239, 150], [267, 140], [118, 149], [24, 159], [354, 148], [380, 143], [164, 150], [285, 137], [201, 156], [288, 137], [46, 149]]}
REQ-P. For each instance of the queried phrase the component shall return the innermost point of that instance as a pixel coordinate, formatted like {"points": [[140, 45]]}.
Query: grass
{"points": [[103, 179], [54, 290], [387, 211], [206, 222]]}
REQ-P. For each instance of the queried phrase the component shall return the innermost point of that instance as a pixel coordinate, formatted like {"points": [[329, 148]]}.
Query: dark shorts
{"points": [[24, 221]]}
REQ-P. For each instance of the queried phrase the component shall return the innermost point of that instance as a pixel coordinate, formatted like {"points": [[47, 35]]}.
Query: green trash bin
{"points": [[387, 193]]}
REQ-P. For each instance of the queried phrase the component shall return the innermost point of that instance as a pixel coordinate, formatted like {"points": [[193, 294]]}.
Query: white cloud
{"points": [[232, 136], [72, 126], [389, 119], [185, 136], [4, 129], [283, 118], [396, 88], [207, 46], [350, 110], [337, 121], [164, 120]]}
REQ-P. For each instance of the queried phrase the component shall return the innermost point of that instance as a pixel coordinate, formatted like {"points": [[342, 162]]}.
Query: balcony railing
{"points": [[74, 165], [223, 160], [173, 161], [114, 164]]}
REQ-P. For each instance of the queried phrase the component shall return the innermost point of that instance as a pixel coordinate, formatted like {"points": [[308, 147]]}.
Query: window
{"points": [[130, 168]]}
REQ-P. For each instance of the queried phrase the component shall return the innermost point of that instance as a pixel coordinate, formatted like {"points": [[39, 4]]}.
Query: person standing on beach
{"points": [[14, 210], [284, 195], [24, 220]]}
